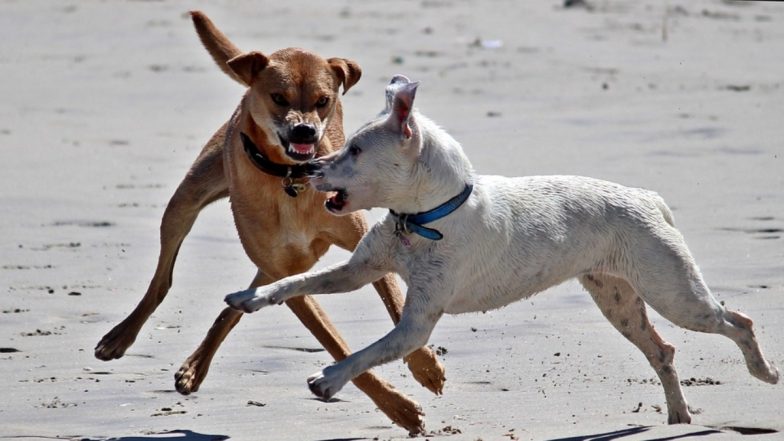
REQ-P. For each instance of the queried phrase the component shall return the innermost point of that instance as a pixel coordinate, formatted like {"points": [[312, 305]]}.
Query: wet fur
{"points": [[514, 237]]}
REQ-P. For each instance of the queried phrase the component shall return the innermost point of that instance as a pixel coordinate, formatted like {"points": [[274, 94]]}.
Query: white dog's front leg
{"points": [[343, 277], [410, 334]]}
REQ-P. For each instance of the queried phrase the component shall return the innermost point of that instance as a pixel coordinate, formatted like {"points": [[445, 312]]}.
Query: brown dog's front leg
{"points": [[203, 184], [399, 408], [177, 221]]}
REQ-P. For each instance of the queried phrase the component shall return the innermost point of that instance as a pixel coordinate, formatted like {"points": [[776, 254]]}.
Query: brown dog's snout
{"points": [[303, 133]]}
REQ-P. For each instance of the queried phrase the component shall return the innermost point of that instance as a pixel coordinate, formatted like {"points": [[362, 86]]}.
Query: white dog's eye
{"points": [[354, 150]]}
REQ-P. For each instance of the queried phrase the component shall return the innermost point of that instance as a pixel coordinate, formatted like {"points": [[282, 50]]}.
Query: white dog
{"points": [[465, 243]]}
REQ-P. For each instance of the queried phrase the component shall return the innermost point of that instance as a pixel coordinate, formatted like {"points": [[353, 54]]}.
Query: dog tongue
{"points": [[302, 148]]}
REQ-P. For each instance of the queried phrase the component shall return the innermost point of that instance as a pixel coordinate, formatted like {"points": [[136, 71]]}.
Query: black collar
{"points": [[289, 172]]}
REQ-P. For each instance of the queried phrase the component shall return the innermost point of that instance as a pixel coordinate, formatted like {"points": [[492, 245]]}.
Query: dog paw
{"points": [[249, 300], [189, 377], [401, 409], [682, 417], [427, 370], [114, 344], [766, 372], [323, 385], [774, 375]]}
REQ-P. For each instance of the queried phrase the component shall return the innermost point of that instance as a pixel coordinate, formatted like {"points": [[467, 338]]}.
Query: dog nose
{"points": [[303, 132]]}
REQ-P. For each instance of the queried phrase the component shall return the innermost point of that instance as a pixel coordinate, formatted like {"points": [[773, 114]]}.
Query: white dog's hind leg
{"points": [[738, 327], [670, 282], [626, 311]]}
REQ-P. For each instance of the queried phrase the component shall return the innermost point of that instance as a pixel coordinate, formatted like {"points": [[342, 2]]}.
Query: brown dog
{"points": [[290, 113]]}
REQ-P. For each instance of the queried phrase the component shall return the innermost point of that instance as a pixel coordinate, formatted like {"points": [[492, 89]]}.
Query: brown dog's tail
{"points": [[216, 43]]}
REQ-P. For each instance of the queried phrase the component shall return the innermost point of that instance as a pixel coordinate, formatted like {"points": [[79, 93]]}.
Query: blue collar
{"points": [[412, 223]]}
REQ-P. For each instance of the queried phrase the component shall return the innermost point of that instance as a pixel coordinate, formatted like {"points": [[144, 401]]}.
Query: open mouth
{"points": [[298, 151], [337, 201]]}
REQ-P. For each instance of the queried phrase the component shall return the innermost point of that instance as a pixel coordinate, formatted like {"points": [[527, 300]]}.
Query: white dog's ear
{"points": [[389, 93], [402, 106]]}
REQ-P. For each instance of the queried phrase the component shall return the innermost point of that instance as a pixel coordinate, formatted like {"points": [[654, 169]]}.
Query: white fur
{"points": [[511, 239]]}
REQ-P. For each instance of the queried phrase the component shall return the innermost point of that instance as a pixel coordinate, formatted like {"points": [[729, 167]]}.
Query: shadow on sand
{"points": [[344, 439], [618, 434], [173, 435]]}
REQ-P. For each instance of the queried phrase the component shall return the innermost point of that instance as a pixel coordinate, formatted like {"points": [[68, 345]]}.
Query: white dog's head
{"points": [[377, 164]]}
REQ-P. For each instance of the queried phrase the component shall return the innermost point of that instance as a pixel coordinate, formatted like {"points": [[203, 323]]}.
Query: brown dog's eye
{"points": [[279, 100], [322, 102]]}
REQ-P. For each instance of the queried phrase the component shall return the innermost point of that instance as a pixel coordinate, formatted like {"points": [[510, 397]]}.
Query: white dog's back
{"points": [[529, 233]]}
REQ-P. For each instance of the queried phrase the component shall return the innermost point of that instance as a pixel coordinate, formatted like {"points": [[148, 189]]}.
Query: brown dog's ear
{"points": [[248, 65], [347, 71]]}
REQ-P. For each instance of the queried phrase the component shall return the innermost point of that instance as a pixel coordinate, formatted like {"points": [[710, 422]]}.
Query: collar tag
{"points": [[289, 186]]}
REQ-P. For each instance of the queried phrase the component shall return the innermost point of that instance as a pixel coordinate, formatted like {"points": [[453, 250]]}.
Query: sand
{"points": [[105, 104]]}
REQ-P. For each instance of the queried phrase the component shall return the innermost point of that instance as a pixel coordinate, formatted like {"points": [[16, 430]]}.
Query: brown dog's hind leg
{"points": [[194, 369], [621, 305], [422, 363], [399, 408], [204, 183]]}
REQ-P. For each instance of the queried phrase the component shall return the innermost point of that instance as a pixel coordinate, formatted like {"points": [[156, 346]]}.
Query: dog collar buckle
{"points": [[402, 231], [401, 226]]}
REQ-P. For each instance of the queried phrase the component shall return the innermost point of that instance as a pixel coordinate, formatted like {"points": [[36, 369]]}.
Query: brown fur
{"points": [[281, 235]]}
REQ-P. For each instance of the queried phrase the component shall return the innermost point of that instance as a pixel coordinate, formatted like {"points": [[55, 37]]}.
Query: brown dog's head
{"points": [[295, 93]]}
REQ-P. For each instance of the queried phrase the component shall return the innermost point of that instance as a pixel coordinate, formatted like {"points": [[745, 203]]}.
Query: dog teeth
{"points": [[337, 200], [301, 149]]}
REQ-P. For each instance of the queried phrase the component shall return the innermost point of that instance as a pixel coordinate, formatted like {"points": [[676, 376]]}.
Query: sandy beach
{"points": [[106, 104]]}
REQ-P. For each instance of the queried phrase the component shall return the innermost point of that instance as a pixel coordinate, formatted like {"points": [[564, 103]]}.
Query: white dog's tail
{"points": [[665, 210]]}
